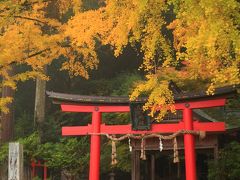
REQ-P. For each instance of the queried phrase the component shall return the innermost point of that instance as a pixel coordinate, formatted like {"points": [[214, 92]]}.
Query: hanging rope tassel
{"points": [[175, 151], [202, 134], [114, 153], [160, 144], [129, 144], [143, 154]]}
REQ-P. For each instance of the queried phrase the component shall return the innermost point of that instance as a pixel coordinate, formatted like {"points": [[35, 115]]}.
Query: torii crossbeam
{"points": [[96, 128]]}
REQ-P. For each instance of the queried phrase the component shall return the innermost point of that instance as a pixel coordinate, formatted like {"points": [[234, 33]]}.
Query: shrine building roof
{"points": [[121, 100]]}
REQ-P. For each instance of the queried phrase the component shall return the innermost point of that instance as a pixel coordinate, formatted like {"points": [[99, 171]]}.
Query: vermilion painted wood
{"points": [[120, 129], [201, 104], [209, 126], [186, 124], [93, 108], [102, 108], [76, 130], [38, 164], [189, 146], [33, 169], [95, 147], [44, 172], [156, 128]]}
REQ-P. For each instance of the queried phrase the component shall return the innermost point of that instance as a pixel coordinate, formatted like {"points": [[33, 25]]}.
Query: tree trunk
{"points": [[39, 109], [7, 119], [7, 125]]}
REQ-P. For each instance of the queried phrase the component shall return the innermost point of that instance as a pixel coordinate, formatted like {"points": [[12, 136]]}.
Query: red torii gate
{"points": [[39, 164], [96, 128]]}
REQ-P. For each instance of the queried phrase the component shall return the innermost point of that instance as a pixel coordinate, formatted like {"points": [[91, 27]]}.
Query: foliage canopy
{"points": [[227, 166], [189, 42]]}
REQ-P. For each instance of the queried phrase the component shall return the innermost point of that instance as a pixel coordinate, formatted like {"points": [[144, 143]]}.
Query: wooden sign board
{"points": [[15, 161]]}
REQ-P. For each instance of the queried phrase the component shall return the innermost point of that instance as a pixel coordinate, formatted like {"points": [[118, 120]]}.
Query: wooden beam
{"points": [[105, 108], [76, 130], [93, 108], [201, 104], [156, 128], [152, 167], [135, 165], [209, 126]]}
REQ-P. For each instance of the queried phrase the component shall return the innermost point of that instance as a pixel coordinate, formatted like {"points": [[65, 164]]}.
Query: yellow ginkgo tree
{"points": [[190, 42], [32, 35]]}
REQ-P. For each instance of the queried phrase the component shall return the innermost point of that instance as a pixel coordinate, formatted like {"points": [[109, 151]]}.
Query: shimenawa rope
{"points": [[113, 138]]}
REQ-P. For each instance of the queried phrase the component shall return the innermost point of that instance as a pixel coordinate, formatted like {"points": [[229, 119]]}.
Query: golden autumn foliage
{"points": [[209, 33], [189, 42]]}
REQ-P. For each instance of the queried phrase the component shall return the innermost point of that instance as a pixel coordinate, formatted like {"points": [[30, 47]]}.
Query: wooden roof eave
{"points": [[59, 98]]}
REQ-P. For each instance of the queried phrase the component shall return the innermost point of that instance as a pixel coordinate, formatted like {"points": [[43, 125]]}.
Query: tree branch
{"points": [[29, 56], [28, 18], [35, 54]]}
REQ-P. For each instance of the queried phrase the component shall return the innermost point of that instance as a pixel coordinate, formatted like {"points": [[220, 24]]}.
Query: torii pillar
{"points": [[95, 146], [189, 146], [187, 123]]}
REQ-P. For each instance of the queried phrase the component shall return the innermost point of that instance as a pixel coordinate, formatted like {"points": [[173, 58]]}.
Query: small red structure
{"points": [[38, 164], [99, 105]]}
